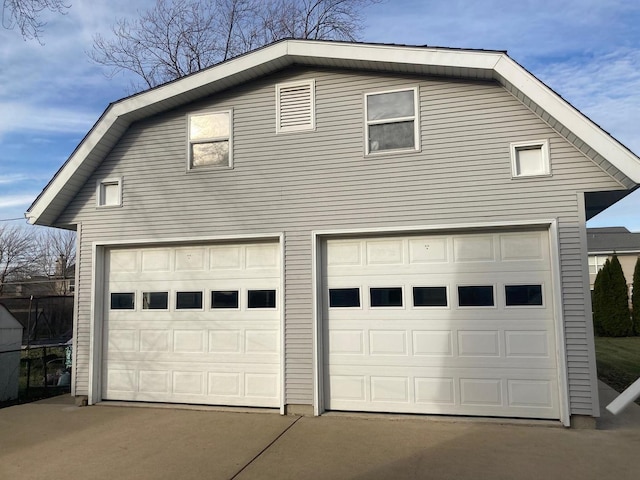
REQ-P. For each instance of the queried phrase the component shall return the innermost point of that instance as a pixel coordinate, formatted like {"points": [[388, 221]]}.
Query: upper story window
{"points": [[210, 139], [392, 121], [295, 106], [529, 159], [596, 262], [109, 192]]}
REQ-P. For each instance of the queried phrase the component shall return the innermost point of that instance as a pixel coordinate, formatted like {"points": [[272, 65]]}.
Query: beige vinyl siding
{"points": [[320, 180]]}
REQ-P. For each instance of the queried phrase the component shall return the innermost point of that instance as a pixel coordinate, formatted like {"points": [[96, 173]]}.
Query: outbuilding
{"points": [[10, 344], [321, 226]]}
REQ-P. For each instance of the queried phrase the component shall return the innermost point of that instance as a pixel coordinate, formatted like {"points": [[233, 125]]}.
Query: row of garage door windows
{"points": [[468, 296]]}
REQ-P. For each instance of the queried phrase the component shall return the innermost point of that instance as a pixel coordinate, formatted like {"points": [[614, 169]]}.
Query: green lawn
{"points": [[618, 361]]}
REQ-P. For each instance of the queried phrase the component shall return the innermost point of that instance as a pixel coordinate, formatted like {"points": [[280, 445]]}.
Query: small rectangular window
{"points": [[429, 296], [155, 300], [386, 297], [188, 300], [122, 301], [344, 297], [109, 192], [210, 140], [476, 296], [521, 295], [261, 299], [224, 299], [392, 121], [530, 158]]}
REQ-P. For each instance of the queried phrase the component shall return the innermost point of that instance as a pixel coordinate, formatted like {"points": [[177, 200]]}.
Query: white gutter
{"points": [[625, 399]]}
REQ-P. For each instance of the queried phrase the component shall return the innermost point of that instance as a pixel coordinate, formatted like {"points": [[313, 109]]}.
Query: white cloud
{"points": [[24, 117], [11, 201]]}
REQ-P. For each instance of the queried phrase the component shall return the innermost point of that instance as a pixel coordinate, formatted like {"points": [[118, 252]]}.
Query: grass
{"points": [[618, 361]]}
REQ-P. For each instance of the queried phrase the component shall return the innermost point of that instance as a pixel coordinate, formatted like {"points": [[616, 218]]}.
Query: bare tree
{"points": [[55, 258], [179, 37], [25, 14], [17, 256]]}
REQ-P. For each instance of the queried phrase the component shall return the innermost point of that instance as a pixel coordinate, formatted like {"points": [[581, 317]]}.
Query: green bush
{"points": [[611, 316], [635, 298]]}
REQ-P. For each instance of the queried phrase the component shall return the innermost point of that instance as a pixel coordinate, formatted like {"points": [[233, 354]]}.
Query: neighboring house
{"points": [[334, 226], [604, 242]]}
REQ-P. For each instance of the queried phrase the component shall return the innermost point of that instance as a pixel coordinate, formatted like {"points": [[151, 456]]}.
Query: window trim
{"points": [[191, 168], [514, 147], [108, 181], [415, 118], [297, 128]]}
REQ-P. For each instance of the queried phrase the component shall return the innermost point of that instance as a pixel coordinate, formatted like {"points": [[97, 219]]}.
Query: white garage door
{"points": [[193, 324], [449, 324]]}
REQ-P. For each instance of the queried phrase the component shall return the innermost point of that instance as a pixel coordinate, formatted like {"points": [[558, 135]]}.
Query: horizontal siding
{"points": [[300, 182]]}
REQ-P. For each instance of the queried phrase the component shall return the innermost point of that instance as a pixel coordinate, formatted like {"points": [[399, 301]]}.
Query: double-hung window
{"points": [[210, 141], [392, 121]]}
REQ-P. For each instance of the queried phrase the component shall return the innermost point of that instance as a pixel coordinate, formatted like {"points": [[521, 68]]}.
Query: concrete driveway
{"points": [[53, 439]]}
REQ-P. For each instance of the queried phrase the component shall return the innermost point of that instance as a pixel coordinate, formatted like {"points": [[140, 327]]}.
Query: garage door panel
{"points": [[446, 358], [206, 355]]}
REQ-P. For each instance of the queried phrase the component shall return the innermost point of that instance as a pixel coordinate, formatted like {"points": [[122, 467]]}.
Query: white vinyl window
{"points": [[392, 121], [530, 159], [210, 139], [295, 106], [109, 192], [596, 262]]}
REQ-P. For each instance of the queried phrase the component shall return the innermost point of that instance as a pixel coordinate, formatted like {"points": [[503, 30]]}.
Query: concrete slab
{"points": [[56, 439]]}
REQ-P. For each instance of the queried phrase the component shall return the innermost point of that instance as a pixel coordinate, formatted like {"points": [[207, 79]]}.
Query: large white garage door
{"points": [[443, 324], [193, 324]]}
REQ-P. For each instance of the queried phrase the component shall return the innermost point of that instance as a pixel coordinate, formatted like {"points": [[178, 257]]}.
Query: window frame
{"points": [[494, 296], [515, 147], [100, 192], [598, 262], [297, 128], [190, 167], [543, 296], [415, 118]]}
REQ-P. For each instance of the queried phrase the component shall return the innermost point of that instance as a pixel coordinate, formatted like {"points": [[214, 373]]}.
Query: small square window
{"points": [[210, 140], [530, 159], [429, 296], [386, 297], [344, 297], [188, 300], [522, 295], [261, 299], [224, 299], [109, 192], [155, 300], [122, 301], [476, 296], [392, 121]]}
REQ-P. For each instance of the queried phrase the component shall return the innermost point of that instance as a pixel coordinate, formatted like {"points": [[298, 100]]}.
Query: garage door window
{"points": [[155, 300], [224, 299], [261, 299], [475, 296], [188, 300], [386, 297], [122, 301], [523, 295], [344, 297], [429, 296]]}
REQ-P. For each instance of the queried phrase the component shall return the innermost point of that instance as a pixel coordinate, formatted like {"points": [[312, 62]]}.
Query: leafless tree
{"points": [[179, 37], [55, 258], [17, 256], [25, 14]]}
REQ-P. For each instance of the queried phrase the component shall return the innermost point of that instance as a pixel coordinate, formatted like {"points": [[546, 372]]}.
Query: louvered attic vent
{"points": [[295, 106]]}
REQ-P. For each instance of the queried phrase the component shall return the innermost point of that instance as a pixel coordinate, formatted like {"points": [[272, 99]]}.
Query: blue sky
{"points": [[588, 51]]}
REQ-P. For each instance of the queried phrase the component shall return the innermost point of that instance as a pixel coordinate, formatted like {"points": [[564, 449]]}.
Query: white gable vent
{"points": [[295, 105]]}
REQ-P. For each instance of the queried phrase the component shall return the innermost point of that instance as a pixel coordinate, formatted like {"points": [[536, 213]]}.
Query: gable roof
{"points": [[612, 240], [595, 143]]}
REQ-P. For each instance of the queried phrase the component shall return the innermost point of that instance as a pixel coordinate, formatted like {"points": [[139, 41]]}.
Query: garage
{"points": [[197, 324], [455, 324]]}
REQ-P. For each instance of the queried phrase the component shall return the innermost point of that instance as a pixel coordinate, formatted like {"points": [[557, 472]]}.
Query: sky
{"points": [[587, 51]]}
